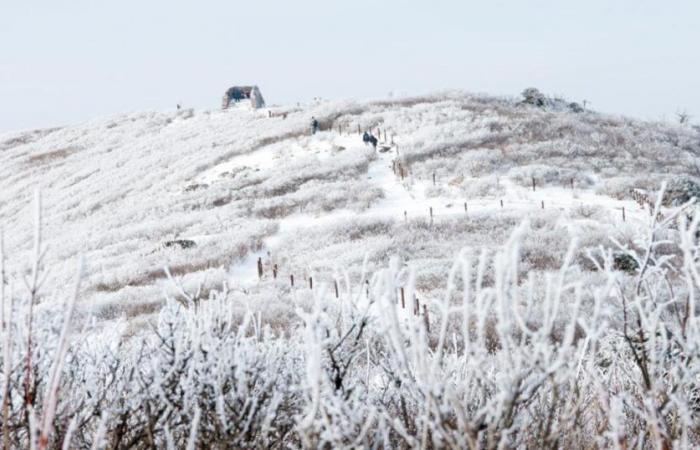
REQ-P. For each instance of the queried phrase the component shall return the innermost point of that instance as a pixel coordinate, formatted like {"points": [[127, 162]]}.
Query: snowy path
{"points": [[404, 198]]}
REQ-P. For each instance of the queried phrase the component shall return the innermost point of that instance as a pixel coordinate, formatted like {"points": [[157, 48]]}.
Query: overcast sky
{"points": [[64, 61]]}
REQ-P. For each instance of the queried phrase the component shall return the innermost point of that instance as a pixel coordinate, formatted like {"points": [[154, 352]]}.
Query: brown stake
{"points": [[416, 306], [533, 184], [358, 129], [542, 204], [623, 214], [405, 216], [572, 184], [403, 301], [260, 268], [501, 203], [431, 214], [311, 283], [433, 178], [426, 319], [274, 271], [335, 283], [291, 278], [465, 206]]}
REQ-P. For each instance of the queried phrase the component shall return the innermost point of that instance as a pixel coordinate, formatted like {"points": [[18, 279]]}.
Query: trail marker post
{"points": [[426, 319]]}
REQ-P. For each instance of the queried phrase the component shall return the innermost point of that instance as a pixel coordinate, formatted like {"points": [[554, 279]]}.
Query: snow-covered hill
{"points": [[241, 185], [493, 275]]}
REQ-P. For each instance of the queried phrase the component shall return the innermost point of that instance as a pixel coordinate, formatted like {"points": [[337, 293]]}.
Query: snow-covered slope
{"points": [[242, 185]]}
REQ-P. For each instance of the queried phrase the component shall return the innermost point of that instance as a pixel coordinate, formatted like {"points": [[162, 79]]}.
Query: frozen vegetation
{"points": [[497, 274]]}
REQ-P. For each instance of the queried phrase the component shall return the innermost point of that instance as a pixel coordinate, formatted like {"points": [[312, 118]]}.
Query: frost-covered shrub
{"points": [[621, 187], [519, 360], [680, 191], [482, 187]]}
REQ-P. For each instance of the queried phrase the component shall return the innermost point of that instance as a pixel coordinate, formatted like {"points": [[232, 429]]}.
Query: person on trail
{"points": [[314, 125], [369, 139], [373, 141]]}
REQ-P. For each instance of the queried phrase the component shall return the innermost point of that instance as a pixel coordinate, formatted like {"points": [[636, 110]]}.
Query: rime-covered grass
{"points": [[504, 359]]}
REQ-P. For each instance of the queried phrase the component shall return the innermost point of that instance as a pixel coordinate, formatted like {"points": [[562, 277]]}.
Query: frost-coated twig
{"points": [[51, 397], [6, 332]]}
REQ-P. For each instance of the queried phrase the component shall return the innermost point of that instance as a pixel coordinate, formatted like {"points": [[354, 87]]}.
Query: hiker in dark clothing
{"points": [[369, 139], [314, 125], [373, 141]]}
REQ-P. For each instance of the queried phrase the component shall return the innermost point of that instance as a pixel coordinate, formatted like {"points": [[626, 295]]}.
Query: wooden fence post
{"points": [[416, 306], [335, 284], [260, 268], [501, 203], [311, 283], [623, 214], [274, 271], [403, 302], [426, 319], [533, 184], [291, 278]]}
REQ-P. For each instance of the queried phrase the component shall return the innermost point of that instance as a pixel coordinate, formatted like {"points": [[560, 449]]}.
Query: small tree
{"points": [[683, 117]]}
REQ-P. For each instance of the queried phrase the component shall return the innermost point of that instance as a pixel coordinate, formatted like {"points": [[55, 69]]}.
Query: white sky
{"points": [[63, 61]]}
